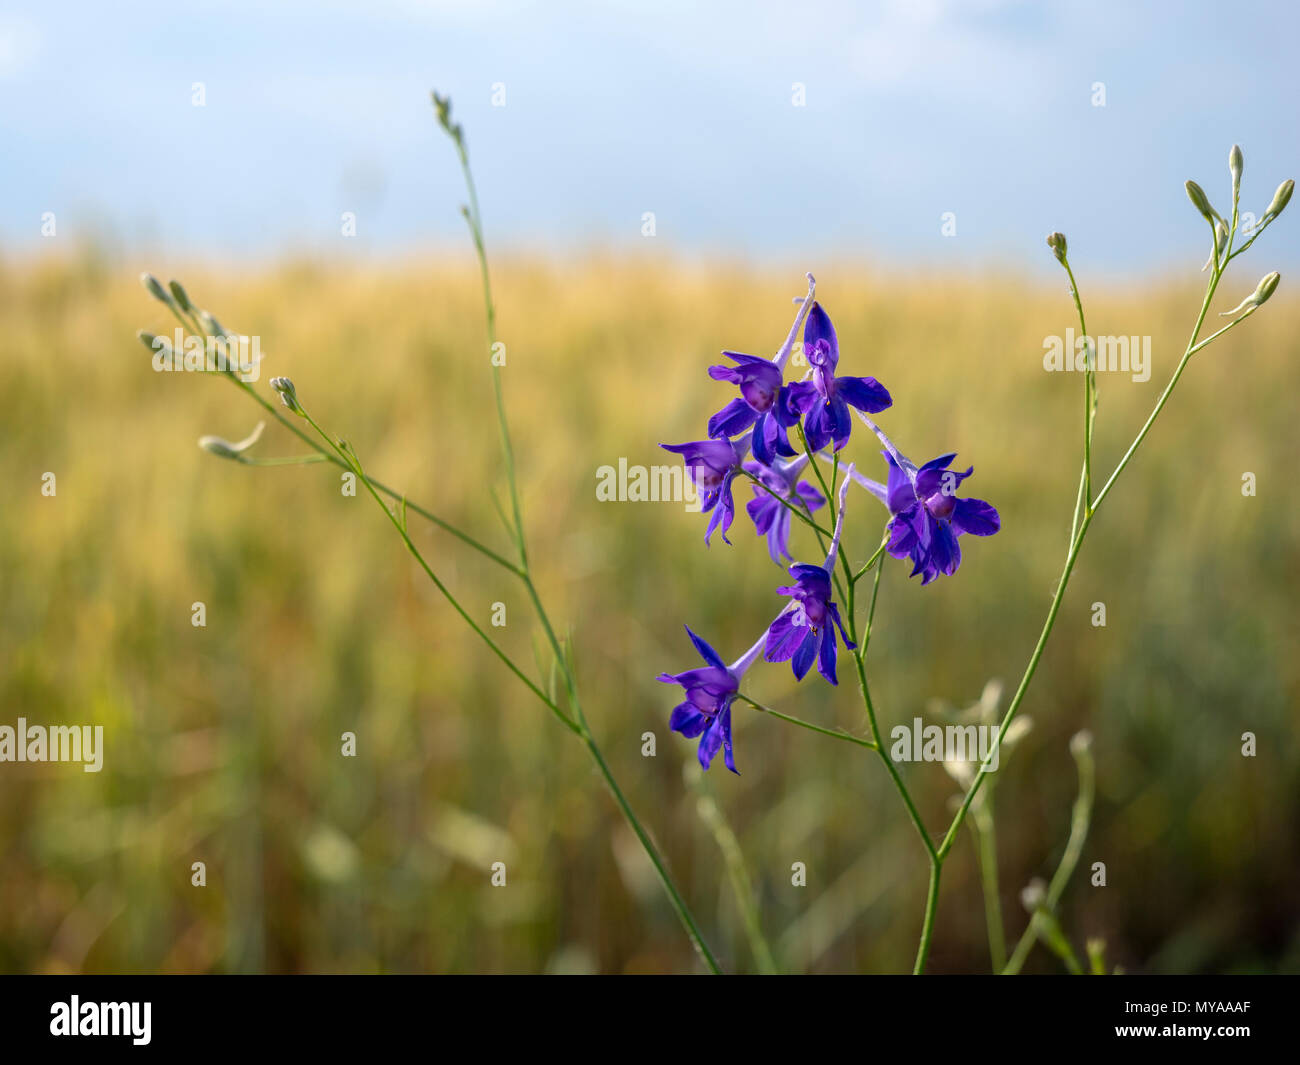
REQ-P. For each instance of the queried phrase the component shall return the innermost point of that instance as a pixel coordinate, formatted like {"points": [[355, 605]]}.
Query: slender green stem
{"points": [[1164, 396], [869, 563], [678, 903], [831, 501], [877, 743], [1084, 524], [1089, 388], [931, 908], [741, 884], [288, 460], [985, 830], [474, 218], [349, 457], [838, 734]]}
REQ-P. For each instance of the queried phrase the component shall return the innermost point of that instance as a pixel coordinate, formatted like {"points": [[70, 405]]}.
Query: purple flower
{"points": [[706, 713], [929, 516], [712, 466], [826, 398], [771, 517], [765, 402], [806, 628]]}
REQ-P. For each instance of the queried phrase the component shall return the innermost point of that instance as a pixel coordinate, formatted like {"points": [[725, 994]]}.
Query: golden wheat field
{"points": [[222, 742]]}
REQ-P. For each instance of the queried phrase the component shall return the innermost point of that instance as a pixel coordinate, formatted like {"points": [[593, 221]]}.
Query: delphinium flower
{"points": [[825, 400], [805, 630], [706, 713], [926, 514], [929, 516], [765, 401], [712, 466], [771, 516]]}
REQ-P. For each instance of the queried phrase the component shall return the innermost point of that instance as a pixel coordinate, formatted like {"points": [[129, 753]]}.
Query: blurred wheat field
{"points": [[223, 742]]}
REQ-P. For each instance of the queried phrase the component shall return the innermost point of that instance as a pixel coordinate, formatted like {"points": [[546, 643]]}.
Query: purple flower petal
{"points": [[805, 655], [733, 419], [865, 393], [976, 517], [706, 652], [687, 720], [826, 657], [820, 344]]}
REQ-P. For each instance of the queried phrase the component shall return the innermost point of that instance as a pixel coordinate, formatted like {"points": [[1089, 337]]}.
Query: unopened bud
{"points": [[225, 449], [1235, 165], [210, 325], [1081, 742], [288, 396], [1056, 241], [155, 288], [180, 295], [1280, 198], [1266, 287], [1200, 201]]}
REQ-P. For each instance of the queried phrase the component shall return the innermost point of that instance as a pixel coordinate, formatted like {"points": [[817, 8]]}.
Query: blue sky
{"points": [[982, 108]]}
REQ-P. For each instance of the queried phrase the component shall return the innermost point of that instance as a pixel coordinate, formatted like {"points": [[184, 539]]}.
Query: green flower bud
{"points": [[288, 395], [1056, 241], [1199, 200], [210, 325], [1280, 198], [1235, 166], [179, 294], [1266, 287], [155, 288], [225, 449]]}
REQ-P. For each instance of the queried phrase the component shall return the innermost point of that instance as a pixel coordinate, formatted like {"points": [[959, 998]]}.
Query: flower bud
{"points": [[148, 339], [1056, 241], [1266, 287], [155, 288], [1280, 198], [1034, 894], [1199, 200], [180, 295], [1235, 165], [288, 396], [225, 449], [210, 325], [1080, 742]]}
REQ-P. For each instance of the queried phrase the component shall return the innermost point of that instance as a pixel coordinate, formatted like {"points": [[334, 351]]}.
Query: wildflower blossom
{"points": [[765, 402], [926, 514], [706, 712], [771, 516], [929, 516], [825, 400], [712, 466], [805, 630]]}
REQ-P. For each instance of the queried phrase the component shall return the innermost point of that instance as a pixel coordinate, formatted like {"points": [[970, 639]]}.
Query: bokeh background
{"points": [[223, 742]]}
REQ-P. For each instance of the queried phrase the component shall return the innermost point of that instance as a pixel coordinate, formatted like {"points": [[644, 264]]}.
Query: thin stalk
{"points": [[474, 218], [741, 885], [838, 734], [951, 835], [982, 824]]}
